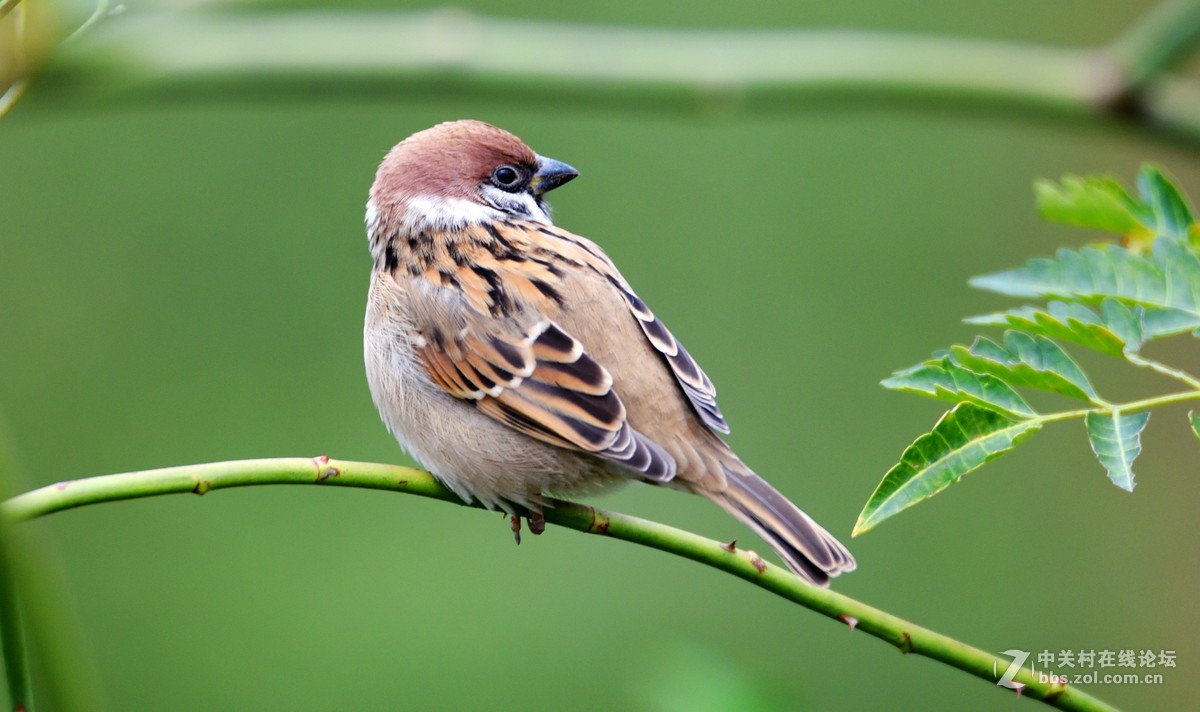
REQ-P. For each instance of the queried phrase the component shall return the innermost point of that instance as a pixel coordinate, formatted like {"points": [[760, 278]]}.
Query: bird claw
{"points": [[537, 524]]}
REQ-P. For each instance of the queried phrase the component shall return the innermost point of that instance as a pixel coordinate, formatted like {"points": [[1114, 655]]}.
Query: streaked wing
{"points": [[695, 383], [532, 375], [539, 381], [583, 252]]}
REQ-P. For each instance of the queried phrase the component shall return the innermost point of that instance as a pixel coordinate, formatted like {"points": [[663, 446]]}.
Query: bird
{"points": [[513, 360]]}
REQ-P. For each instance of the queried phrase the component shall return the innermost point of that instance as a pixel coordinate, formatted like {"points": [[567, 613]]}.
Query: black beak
{"points": [[550, 175]]}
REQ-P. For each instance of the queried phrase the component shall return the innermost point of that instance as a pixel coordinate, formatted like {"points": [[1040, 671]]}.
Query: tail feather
{"points": [[808, 550]]}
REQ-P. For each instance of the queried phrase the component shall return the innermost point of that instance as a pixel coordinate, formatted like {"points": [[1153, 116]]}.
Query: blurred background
{"points": [[183, 281]]}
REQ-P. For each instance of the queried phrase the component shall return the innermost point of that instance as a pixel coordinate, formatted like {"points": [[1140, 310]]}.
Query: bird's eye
{"points": [[506, 178]]}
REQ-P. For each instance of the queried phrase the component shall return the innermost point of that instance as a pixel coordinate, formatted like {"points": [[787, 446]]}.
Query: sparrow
{"points": [[514, 362]]}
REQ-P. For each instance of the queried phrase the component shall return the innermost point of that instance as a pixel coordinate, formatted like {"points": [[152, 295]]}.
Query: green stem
{"points": [[32, 611], [1163, 35], [199, 479], [641, 67], [14, 93], [1130, 407], [12, 629], [102, 11], [7, 6], [1177, 374]]}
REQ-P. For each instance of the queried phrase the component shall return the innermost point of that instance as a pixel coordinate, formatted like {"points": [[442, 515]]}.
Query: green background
{"points": [[184, 279]]}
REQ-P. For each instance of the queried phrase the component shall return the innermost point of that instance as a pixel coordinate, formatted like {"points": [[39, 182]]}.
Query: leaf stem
{"points": [[1177, 374], [1130, 407], [199, 479]]}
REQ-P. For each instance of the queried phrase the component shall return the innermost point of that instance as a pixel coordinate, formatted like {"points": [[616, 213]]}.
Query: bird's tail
{"points": [[808, 550]]}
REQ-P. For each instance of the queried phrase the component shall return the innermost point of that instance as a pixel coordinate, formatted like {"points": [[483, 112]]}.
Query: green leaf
{"points": [[1194, 421], [1096, 202], [1117, 441], [1101, 202], [1115, 330], [1171, 214], [1167, 322], [1168, 279], [1125, 322], [962, 440], [1026, 360], [944, 379]]}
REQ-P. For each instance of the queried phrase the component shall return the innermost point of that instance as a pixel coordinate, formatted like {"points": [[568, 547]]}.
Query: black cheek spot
{"points": [[391, 261]]}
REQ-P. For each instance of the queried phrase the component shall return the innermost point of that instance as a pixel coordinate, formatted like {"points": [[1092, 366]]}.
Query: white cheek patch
{"points": [[425, 213]]}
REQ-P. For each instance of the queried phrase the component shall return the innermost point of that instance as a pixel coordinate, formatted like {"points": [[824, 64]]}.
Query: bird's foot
{"points": [[515, 521]]}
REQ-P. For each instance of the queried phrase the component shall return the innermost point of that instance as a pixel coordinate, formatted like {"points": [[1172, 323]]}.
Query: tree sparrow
{"points": [[513, 360]]}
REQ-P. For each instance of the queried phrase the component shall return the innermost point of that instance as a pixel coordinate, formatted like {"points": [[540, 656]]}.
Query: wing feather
{"points": [[536, 377], [695, 383], [540, 382]]}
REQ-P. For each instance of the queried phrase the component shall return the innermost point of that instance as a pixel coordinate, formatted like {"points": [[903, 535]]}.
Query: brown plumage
{"points": [[513, 360]]}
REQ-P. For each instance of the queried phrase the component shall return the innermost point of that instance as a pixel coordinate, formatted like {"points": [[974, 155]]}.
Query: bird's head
{"points": [[460, 172]]}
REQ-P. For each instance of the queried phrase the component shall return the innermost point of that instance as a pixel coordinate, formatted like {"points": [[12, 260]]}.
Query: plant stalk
{"points": [[200, 479]]}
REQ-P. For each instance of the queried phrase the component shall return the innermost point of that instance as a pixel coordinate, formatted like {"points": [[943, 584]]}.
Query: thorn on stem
{"points": [[1018, 687], [202, 486], [906, 645], [849, 620], [731, 546], [759, 564]]}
